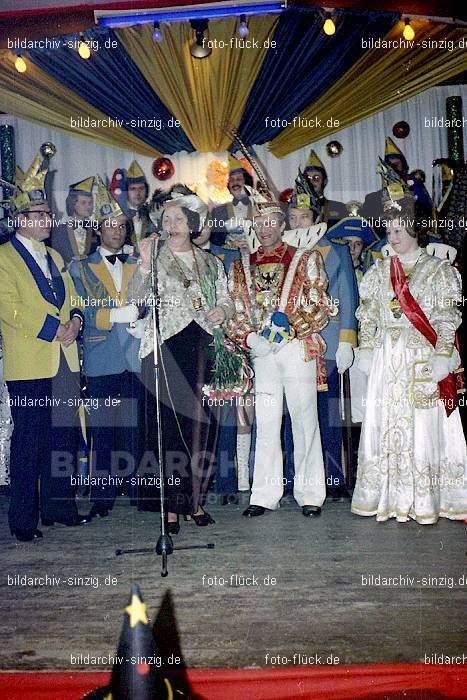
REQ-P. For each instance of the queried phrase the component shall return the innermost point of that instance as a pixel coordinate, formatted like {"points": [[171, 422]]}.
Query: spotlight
{"points": [[83, 49], [243, 27], [200, 48], [408, 32], [20, 64], [157, 34], [329, 27]]}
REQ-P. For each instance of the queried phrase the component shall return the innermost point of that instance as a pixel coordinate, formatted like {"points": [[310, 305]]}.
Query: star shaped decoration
{"points": [[137, 611]]}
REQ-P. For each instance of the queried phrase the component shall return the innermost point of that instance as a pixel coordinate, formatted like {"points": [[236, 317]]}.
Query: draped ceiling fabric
{"points": [[305, 65], [379, 79], [305, 74], [113, 83], [35, 95], [207, 96]]}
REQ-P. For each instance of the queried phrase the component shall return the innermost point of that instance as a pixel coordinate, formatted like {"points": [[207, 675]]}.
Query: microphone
{"points": [[164, 235]]}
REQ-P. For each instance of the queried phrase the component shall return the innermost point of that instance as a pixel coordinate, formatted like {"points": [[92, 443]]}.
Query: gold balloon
{"points": [[334, 149]]}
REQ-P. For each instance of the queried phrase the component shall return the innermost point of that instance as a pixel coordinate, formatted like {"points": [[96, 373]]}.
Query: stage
{"points": [[276, 591]]}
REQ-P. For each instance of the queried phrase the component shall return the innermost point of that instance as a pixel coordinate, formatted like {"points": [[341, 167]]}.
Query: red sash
{"points": [[417, 317]]}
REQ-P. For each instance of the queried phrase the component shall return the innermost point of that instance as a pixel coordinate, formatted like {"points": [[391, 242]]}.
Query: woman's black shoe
{"points": [[98, 511], [173, 528], [201, 520], [26, 535]]}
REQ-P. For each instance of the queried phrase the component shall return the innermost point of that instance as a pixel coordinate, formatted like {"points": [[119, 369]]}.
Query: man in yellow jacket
{"points": [[39, 327]]}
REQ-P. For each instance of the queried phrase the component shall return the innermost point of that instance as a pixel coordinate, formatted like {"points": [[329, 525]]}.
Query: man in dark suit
{"points": [[77, 236], [226, 220], [373, 206], [331, 211]]}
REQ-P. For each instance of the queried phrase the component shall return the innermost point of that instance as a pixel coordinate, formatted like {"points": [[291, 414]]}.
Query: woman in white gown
{"points": [[412, 455]]}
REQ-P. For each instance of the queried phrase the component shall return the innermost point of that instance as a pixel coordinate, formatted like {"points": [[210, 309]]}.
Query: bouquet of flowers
{"points": [[231, 375]]}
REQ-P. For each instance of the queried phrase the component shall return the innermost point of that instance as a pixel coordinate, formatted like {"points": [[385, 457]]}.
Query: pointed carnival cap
{"points": [[136, 673], [135, 174], [315, 163], [83, 187], [393, 151], [105, 206]]}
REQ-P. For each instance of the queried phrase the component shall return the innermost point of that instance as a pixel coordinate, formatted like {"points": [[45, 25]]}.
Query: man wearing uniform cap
{"points": [[340, 336], [281, 306], [134, 205], [39, 325], [76, 237], [373, 206], [110, 353], [358, 234], [330, 211], [226, 220]]}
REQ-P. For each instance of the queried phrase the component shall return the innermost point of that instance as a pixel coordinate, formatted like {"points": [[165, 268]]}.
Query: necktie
{"points": [[243, 200], [119, 256]]}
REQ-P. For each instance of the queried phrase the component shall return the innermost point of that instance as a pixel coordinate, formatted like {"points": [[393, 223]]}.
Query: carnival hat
{"points": [[105, 206], [315, 163], [83, 187], [29, 189], [392, 151], [353, 226], [135, 174], [263, 202]]}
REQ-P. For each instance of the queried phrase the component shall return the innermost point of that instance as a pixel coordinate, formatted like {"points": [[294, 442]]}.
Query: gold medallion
{"points": [[197, 303]]}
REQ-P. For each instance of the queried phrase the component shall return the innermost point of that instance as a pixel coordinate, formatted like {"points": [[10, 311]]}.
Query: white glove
{"points": [[124, 314], [364, 361], [137, 331], [439, 367], [344, 357], [258, 344]]}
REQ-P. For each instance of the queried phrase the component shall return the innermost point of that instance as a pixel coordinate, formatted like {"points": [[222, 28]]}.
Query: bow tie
{"points": [[39, 247], [113, 258], [243, 200]]}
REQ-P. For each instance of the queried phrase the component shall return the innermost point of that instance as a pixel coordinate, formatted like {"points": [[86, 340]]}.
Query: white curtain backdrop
{"points": [[351, 175]]}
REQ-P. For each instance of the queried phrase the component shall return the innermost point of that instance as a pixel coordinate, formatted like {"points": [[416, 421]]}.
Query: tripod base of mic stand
{"points": [[163, 548]]}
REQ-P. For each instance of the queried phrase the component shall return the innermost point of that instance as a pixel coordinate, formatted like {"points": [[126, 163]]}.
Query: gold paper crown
{"points": [[391, 149], [105, 207], [135, 172], [314, 161], [30, 186], [83, 187], [263, 203]]}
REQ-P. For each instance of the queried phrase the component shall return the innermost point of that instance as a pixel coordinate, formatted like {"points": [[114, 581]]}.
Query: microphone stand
{"points": [[164, 546]]}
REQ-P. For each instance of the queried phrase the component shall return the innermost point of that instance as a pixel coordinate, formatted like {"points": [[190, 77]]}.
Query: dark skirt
{"points": [[189, 424]]}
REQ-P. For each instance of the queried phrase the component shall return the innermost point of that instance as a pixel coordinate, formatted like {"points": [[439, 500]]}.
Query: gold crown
{"points": [[105, 206], [30, 186]]}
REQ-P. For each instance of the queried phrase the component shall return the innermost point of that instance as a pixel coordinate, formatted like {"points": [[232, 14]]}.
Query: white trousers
{"points": [[276, 374]]}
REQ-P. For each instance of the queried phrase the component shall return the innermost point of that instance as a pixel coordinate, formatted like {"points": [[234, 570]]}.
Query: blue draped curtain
{"points": [[110, 81], [305, 64]]}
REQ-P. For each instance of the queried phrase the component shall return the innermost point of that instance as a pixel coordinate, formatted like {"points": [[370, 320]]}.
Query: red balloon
{"points": [[286, 195], [163, 169], [401, 130]]}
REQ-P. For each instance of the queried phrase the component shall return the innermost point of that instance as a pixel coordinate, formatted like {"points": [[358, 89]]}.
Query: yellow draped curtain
{"points": [[378, 80], [206, 95], [36, 96]]}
